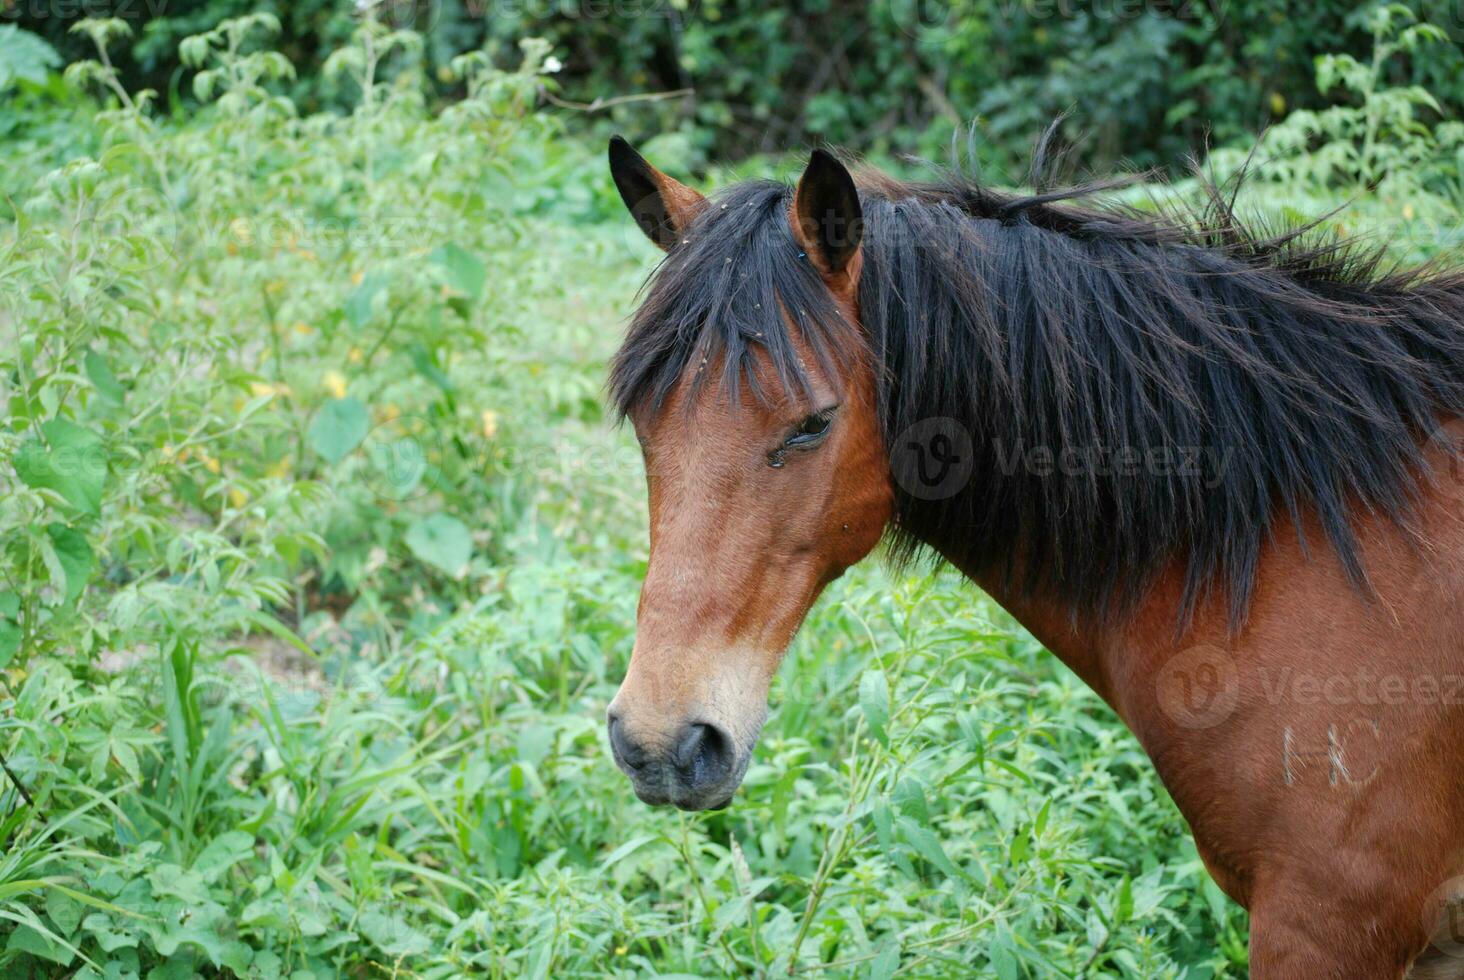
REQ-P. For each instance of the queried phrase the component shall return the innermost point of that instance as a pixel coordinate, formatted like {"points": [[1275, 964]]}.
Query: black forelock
{"points": [[1034, 323], [730, 287]]}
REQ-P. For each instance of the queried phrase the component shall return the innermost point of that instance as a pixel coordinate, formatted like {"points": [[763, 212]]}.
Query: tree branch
{"points": [[602, 103]]}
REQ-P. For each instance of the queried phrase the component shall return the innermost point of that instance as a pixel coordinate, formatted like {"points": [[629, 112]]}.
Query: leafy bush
{"points": [[1151, 81], [318, 565], [1382, 155]]}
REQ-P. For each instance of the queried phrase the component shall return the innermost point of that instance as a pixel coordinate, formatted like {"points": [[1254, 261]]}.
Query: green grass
{"points": [[318, 565]]}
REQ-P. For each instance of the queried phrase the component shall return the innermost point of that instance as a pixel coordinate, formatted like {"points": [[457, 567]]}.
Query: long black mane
{"points": [[1137, 388]]}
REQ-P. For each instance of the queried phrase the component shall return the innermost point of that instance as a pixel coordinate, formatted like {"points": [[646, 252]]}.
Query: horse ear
{"points": [[826, 217], [661, 206]]}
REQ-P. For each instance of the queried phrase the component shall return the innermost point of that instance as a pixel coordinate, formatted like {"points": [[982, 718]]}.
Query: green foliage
{"points": [[319, 563], [1382, 154], [1150, 83], [1384, 137], [24, 57]]}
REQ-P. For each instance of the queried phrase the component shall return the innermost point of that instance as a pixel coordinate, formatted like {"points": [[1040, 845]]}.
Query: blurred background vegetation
{"points": [[1152, 81], [319, 554]]}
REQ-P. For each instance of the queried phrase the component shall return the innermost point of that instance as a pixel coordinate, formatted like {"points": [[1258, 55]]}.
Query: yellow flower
{"points": [[1278, 104], [335, 384], [391, 412], [280, 469], [1408, 212], [238, 497], [303, 328], [211, 464], [257, 388], [357, 277], [354, 355], [490, 423]]}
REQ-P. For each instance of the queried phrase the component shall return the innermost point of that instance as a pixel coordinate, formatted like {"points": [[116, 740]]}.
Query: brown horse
{"points": [[1216, 473]]}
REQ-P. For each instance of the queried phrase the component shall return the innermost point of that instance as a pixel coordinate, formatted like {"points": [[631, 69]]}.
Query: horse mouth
{"points": [[657, 796]]}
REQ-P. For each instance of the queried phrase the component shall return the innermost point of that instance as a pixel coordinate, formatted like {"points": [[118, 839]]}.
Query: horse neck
{"points": [[1102, 652]]}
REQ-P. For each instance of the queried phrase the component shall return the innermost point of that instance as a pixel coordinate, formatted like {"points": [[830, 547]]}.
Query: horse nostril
{"points": [[704, 756], [627, 753]]}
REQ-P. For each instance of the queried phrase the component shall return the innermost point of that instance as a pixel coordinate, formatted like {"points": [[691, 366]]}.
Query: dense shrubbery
{"points": [[318, 562], [1149, 80]]}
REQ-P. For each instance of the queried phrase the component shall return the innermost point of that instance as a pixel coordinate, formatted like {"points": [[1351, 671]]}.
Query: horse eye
{"points": [[810, 430], [813, 425]]}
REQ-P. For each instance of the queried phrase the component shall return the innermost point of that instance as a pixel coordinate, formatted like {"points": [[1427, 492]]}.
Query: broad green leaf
{"points": [[126, 757], [9, 641], [465, 272], [339, 427], [361, 302], [64, 911], [198, 923], [100, 925], [442, 542], [1123, 904], [103, 379], [884, 823], [25, 939], [236, 956], [267, 963], [24, 57], [624, 850], [1021, 845], [874, 699], [426, 366], [909, 798], [278, 630], [222, 853], [535, 742], [169, 879], [886, 962], [392, 935], [1004, 959], [74, 555], [70, 461], [927, 845]]}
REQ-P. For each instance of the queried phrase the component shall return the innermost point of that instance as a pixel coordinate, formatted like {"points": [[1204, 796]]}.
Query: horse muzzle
{"points": [[698, 767]]}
